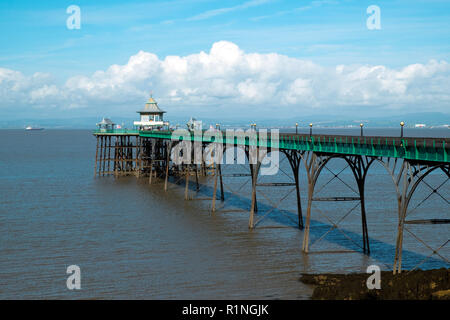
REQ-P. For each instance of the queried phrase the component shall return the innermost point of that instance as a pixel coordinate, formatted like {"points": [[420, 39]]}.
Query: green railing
{"points": [[424, 149], [371, 146], [116, 131]]}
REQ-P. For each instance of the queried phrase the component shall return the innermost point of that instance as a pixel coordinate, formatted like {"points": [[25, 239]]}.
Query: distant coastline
{"points": [[330, 121]]}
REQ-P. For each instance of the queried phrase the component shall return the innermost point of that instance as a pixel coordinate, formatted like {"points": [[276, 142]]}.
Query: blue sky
{"points": [[327, 33]]}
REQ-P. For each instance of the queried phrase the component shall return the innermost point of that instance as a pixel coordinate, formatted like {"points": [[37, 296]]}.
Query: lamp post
{"points": [[401, 132], [310, 129], [296, 128], [361, 125]]}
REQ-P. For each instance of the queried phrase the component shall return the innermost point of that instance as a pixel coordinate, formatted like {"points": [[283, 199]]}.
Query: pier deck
{"points": [[408, 160]]}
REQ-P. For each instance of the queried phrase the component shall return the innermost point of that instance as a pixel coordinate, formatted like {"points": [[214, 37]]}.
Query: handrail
{"points": [[423, 149], [116, 131]]}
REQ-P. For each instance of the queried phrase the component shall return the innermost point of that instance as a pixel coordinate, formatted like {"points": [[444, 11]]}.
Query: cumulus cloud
{"points": [[226, 77]]}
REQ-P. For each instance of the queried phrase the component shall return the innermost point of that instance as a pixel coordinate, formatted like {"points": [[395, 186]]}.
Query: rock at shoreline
{"points": [[414, 285]]}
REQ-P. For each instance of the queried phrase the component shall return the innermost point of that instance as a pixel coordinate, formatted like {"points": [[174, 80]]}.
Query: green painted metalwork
{"points": [[421, 149], [116, 132]]}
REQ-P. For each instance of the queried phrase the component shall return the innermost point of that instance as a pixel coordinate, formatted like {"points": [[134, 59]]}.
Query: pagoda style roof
{"points": [[151, 107], [105, 121]]}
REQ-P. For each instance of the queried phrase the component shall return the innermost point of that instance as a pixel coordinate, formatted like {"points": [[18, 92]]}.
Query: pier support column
{"points": [[203, 168], [186, 188], [254, 169], [116, 157], [216, 174], [109, 154], [197, 185], [253, 207], [217, 177], [314, 164], [168, 150], [360, 166], [406, 180], [295, 157], [216, 156], [152, 157], [130, 158], [101, 156], [222, 196], [121, 154], [254, 177], [96, 157], [138, 166]]}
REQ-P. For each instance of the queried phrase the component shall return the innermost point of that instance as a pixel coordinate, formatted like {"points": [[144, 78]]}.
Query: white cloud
{"points": [[231, 80]]}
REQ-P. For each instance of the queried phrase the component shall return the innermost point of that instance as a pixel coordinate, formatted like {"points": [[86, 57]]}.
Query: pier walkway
{"points": [[408, 160]]}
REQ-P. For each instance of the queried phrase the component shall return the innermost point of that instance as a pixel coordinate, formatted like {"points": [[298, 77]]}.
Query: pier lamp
{"points": [[296, 128], [401, 132], [310, 129], [361, 125]]}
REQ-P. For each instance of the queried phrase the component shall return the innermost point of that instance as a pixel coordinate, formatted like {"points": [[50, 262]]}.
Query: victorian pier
{"points": [[151, 148]]}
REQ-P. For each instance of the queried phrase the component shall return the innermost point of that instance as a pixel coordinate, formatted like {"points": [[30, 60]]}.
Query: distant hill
{"points": [[429, 118]]}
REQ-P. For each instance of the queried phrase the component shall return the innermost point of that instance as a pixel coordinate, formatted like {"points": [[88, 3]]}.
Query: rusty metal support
{"points": [[152, 159], [222, 196], [216, 174], [197, 185], [101, 156], [186, 188], [109, 154], [168, 149], [96, 157]]}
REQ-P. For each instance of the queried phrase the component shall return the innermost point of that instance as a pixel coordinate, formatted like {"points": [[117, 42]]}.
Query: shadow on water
{"points": [[380, 250]]}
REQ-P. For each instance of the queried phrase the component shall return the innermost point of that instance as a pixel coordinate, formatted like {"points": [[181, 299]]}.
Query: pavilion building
{"points": [[151, 117], [106, 125]]}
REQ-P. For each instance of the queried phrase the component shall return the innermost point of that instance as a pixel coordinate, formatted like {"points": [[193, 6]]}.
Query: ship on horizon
{"points": [[33, 128]]}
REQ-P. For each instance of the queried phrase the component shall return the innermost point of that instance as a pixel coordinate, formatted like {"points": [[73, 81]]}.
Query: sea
{"points": [[133, 240]]}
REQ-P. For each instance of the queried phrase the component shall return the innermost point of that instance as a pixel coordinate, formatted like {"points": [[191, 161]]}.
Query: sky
{"points": [[255, 59]]}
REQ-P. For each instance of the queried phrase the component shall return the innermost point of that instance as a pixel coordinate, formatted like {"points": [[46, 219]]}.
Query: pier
{"points": [[150, 151], [407, 160]]}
